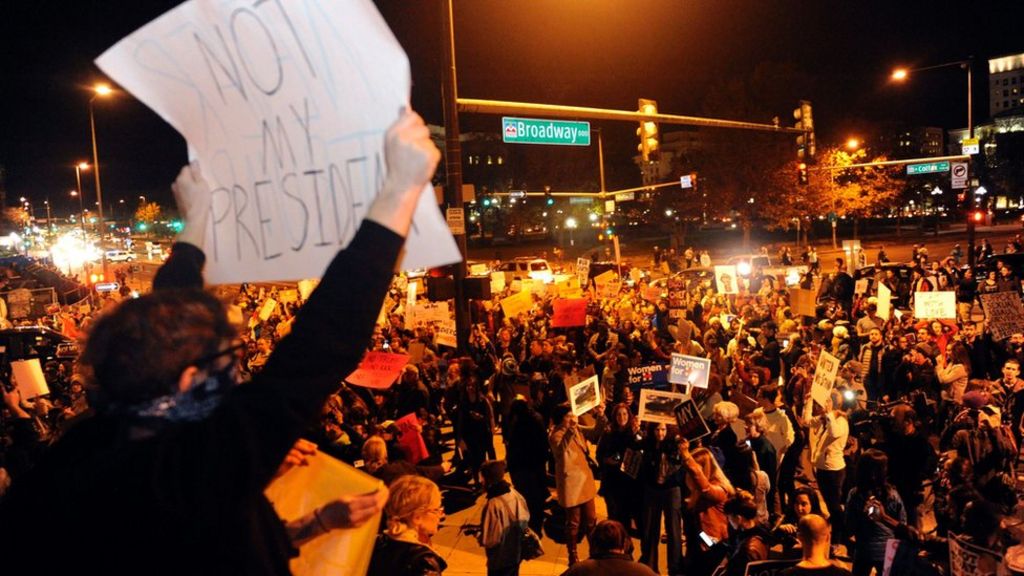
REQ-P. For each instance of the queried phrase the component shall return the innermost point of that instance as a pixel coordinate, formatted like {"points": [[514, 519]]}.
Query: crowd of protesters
{"points": [[917, 439]]}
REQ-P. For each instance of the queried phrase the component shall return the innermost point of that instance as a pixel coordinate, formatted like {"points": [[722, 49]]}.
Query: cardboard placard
{"points": [[966, 559], [584, 396], [609, 290], [690, 370], [725, 280], [861, 286], [286, 111], [569, 288], [303, 489], [378, 370], [652, 293], [411, 290], [802, 302], [288, 296], [416, 350], [306, 287], [691, 424], [29, 379], [659, 406], [569, 312], [426, 313], [824, 377], [516, 304], [935, 305], [497, 282], [1004, 314], [884, 301]]}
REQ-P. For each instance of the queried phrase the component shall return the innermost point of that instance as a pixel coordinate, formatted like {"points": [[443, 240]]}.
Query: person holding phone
{"points": [[707, 489], [872, 496]]}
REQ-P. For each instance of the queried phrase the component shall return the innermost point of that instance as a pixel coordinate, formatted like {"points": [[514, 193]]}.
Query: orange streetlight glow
{"points": [[852, 144], [899, 74]]}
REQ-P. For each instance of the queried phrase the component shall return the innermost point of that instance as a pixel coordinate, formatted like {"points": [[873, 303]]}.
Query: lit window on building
{"points": [[489, 160], [501, 160]]}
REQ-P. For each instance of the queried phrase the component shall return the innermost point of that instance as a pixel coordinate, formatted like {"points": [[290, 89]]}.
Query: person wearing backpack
{"points": [[503, 521]]}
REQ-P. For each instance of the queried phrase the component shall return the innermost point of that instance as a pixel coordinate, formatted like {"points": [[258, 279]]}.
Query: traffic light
{"points": [[801, 174], [649, 146], [977, 216], [549, 200], [804, 121]]}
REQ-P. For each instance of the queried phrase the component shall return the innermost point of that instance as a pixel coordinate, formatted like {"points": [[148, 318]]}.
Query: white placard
{"points": [[285, 105], [934, 305], [884, 301], [584, 396], [824, 377], [28, 378]]}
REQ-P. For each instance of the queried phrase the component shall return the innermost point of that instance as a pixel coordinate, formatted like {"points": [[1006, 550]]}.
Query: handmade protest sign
{"points": [[861, 286], [306, 287], [652, 293], [378, 370], [285, 106], [935, 305], [569, 288], [303, 489], [884, 301], [288, 296], [569, 312], [497, 281], [516, 304], [658, 405], [609, 290], [691, 424], [604, 278], [966, 559], [584, 396], [267, 310], [824, 377], [725, 280], [411, 438], [445, 335], [29, 379], [676, 297], [1004, 314], [690, 370]]}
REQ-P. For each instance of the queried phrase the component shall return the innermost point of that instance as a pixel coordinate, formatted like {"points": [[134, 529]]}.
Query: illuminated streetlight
{"points": [[81, 210], [899, 74], [852, 144]]}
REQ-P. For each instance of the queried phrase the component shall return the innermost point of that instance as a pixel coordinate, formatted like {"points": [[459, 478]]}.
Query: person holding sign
{"points": [[168, 476]]}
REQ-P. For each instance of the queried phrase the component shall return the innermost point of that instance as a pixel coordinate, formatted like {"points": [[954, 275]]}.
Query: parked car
{"points": [[527, 267], [119, 256]]}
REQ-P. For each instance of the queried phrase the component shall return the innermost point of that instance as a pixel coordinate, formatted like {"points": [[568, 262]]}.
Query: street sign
{"points": [[625, 196], [927, 168], [535, 131], [517, 193], [107, 287], [970, 146], [686, 181], [958, 175], [609, 206], [456, 218], [832, 218]]}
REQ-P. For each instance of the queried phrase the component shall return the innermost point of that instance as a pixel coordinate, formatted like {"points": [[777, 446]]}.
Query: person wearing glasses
{"points": [[168, 476], [414, 513]]}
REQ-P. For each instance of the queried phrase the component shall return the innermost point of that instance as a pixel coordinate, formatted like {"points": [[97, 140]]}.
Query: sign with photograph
{"points": [[725, 280], [659, 406], [584, 396]]}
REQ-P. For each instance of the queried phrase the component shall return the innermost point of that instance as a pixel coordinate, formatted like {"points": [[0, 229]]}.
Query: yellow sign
{"points": [[517, 304]]}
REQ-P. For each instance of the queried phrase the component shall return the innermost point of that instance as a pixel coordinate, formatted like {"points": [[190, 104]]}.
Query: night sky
{"points": [[603, 53]]}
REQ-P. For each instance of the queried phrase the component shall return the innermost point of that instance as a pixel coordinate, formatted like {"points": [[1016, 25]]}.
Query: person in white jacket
{"points": [[502, 522]]}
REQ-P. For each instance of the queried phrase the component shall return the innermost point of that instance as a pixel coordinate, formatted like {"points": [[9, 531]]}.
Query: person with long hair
{"points": [[805, 501], [707, 490], [872, 489], [413, 515], [618, 446], [662, 497]]}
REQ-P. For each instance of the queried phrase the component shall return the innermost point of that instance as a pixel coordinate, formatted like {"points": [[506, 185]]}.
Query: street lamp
{"points": [[99, 90], [852, 143], [901, 74], [571, 224]]}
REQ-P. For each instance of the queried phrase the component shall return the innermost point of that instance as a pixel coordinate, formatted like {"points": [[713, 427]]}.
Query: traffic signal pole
{"points": [[453, 172]]}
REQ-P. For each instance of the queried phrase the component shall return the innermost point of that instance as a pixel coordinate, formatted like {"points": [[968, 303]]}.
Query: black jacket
{"points": [[188, 499]]}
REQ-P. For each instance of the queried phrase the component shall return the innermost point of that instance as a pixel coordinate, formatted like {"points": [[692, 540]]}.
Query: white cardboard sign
{"points": [[934, 305], [285, 105], [29, 379]]}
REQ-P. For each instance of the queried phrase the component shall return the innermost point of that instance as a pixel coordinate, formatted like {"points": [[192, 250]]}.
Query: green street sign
{"points": [[928, 168], [534, 131]]}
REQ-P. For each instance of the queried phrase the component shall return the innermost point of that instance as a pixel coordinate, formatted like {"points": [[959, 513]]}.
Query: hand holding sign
{"points": [[411, 159]]}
